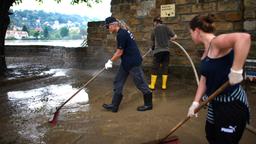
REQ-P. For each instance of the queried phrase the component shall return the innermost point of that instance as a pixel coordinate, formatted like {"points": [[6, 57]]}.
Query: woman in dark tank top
{"points": [[223, 59]]}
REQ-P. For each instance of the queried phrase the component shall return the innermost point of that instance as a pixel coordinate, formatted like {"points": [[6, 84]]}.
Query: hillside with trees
{"points": [[43, 25], [5, 21]]}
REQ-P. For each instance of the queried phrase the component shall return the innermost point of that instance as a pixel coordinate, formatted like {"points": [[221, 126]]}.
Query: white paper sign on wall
{"points": [[168, 10]]}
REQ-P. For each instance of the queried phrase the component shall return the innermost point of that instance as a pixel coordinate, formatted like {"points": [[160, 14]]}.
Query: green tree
{"points": [[24, 28], [64, 32], [36, 34], [46, 32], [5, 21]]}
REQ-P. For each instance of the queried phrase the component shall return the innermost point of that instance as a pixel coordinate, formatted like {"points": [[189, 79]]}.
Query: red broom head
{"points": [[54, 120], [170, 140]]}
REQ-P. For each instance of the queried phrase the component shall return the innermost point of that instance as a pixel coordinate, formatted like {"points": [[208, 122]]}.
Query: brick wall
{"points": [[231, 15]]}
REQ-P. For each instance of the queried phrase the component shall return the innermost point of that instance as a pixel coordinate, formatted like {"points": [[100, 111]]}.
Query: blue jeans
{"points": [[120, 79]]}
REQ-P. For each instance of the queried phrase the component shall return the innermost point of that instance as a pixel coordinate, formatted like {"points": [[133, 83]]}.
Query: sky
{"points": [[99, 11]]}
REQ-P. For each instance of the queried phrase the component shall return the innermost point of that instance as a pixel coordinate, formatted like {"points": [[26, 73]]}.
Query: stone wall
{"points": [[249, 24], [97, 34], [55, 56], [231, 15]]}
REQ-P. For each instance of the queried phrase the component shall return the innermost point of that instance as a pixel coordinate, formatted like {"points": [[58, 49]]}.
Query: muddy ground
{"points": [[30, 94]]}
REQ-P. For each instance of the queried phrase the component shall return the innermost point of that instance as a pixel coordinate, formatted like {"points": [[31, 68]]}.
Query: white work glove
{"points": [[108, 64], [191, 110], [235, 76]]}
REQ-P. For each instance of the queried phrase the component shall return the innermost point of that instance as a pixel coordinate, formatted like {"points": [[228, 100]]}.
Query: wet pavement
{"points": [[30, 94]]}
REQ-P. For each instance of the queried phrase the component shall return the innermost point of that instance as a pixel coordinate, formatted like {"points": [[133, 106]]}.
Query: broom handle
{"points": [[251, 129], [146, 53], [99, 72], [211, 97]]}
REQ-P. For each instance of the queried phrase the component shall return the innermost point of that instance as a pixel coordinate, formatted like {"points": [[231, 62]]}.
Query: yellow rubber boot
{"points": [[153, 82], [164, 81]]}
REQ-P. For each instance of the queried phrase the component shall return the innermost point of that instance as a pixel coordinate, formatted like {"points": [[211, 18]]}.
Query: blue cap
{"points": [[109, 20]]}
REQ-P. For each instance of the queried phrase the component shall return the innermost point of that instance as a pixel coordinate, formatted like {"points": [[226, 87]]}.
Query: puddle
{"points": [[23, 71], [35, 107]]}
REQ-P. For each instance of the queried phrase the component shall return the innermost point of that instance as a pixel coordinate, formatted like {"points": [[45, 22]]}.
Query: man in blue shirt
{"points": [[131, 61]]}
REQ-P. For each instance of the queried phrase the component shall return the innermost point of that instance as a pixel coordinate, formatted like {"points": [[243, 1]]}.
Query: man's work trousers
{"points": [[161, 62], [120, 79]]}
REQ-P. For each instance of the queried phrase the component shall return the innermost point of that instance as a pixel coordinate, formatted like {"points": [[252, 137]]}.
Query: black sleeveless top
{"points": [[216, 71]]}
